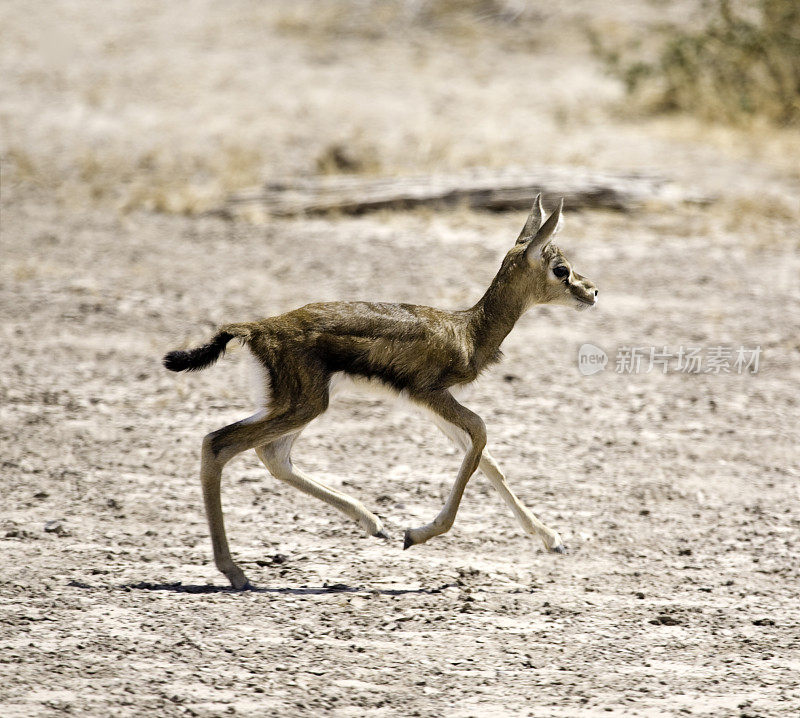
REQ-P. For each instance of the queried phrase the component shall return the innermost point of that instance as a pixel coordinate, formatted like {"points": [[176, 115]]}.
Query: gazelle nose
{"points": [[596, 292]]}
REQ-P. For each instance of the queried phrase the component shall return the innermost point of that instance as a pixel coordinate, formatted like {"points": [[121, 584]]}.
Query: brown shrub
{"points": [[743, 63]]}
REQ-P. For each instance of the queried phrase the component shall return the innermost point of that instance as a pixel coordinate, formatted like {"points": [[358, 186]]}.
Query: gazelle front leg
{"points": [[447, 408], [530, 523]]}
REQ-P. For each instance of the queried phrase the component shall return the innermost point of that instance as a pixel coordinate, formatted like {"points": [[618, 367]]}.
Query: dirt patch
{"points": [[675, 494]]}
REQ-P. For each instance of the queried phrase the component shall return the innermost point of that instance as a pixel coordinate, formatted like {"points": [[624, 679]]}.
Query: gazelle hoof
{"points": [[381, 535], [558, 548], [239, 581], [407, 541]]}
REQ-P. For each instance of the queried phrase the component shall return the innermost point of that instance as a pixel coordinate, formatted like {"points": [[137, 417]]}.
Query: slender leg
{"points": [[277, 458], [445, 406], [529, 521], [221, 446]]}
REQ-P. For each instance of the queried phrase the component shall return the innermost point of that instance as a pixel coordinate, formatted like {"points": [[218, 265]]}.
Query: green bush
{"points": [[744, 63]]}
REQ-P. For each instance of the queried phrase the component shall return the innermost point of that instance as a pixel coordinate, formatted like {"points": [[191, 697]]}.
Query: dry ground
{"points": [[676, 495]]}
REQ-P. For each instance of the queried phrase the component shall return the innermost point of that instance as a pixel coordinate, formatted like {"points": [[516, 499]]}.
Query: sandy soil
{"points": [[676, 495]]}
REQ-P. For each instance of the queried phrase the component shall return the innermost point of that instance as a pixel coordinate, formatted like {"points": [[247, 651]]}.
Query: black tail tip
{"points": [[198, 358], [177, 361]]}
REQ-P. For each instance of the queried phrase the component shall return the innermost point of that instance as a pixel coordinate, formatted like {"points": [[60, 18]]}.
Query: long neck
{"points": [[495, 315]]}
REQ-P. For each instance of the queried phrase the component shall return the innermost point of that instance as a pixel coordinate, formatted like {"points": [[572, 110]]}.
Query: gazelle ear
{"points": [[533, 222], [553, 224]]}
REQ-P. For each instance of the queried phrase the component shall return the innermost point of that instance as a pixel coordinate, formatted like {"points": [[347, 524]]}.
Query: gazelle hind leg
{"points": [[221, 446], [276, 456], [530, 523]]}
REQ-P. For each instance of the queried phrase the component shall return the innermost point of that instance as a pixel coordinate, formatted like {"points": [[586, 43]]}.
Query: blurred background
{"points": [[142, 105]]}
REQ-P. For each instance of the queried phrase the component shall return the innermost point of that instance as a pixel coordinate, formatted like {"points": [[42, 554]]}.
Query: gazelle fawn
{"points": [[417, 352]]}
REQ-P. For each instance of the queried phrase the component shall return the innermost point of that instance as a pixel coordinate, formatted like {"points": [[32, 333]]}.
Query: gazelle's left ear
{"points": [[534, 221], [553, 224]]}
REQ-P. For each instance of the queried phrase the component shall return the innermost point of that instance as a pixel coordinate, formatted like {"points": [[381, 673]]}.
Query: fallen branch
{"points": [[496, 191]]}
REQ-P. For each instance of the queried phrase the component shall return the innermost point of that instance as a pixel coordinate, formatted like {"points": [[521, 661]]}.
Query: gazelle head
{"points": [[542, 267]]}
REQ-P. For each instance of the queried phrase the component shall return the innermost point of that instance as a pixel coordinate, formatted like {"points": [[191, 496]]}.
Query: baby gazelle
{"points": [[418, 352]]}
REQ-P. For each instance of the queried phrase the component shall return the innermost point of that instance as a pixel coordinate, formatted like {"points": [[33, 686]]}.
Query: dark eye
{"points": [[561, 271]]}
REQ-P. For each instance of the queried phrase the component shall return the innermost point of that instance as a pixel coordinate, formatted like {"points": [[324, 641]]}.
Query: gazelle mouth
{"points": [[582, 305]]}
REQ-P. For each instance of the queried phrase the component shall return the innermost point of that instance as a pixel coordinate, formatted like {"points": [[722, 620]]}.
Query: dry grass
{"points": [[157, 180], [168, 108]]}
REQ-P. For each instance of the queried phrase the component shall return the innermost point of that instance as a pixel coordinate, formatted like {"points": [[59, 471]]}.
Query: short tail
{"points": [[206, 355]]}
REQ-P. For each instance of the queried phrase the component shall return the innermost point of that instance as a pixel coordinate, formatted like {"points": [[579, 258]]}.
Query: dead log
{"points": [[496, 191]]}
